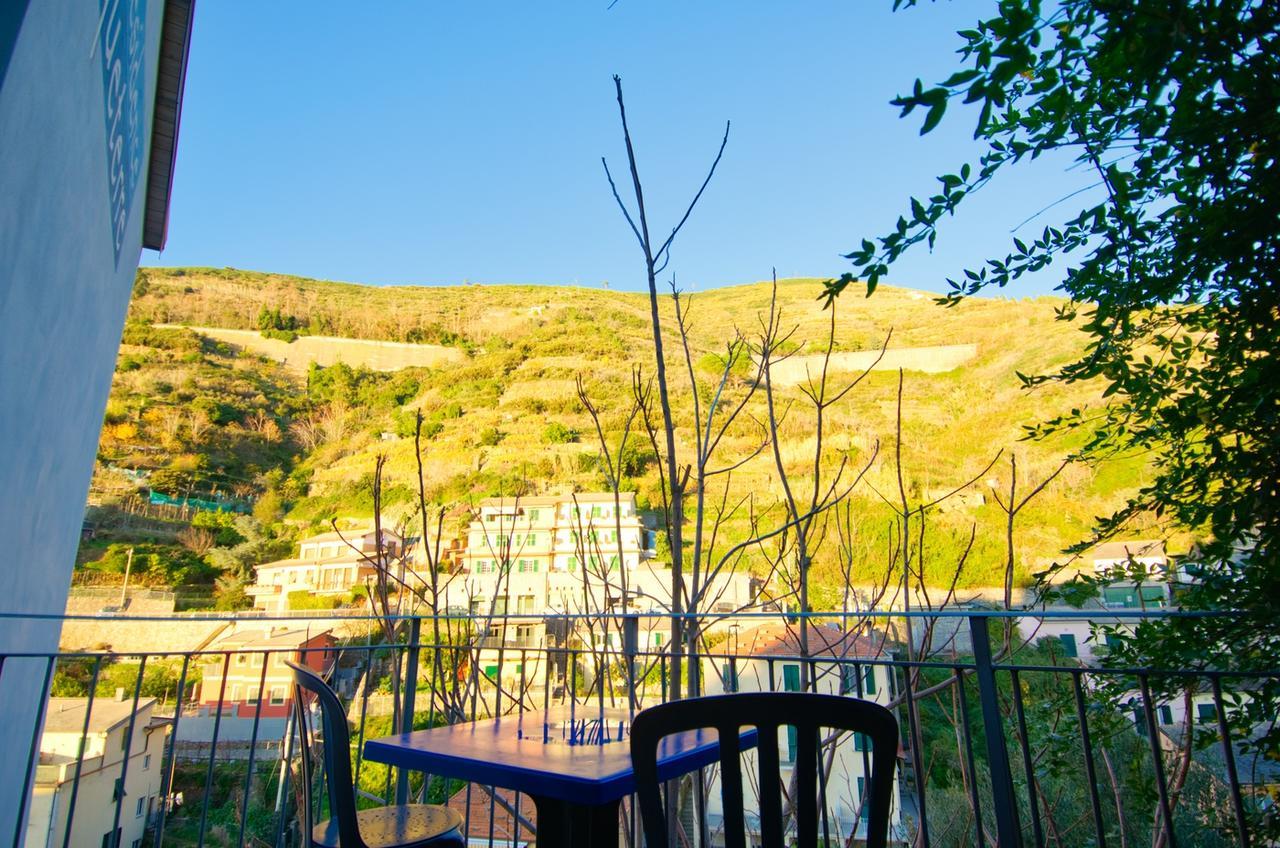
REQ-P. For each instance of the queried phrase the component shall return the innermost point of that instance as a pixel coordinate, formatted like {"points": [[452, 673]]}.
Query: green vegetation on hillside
{"points": [[507, 420]]}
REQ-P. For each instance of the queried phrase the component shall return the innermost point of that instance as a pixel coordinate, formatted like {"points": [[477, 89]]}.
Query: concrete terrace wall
{"points": [[930, 360], [298, 355], [72, 194]]}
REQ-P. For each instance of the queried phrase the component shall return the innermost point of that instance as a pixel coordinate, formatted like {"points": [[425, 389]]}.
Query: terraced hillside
{"points": [[505, 416]]}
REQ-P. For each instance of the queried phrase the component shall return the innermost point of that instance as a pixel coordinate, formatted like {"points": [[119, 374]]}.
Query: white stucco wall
{"points": [[63, 295]]}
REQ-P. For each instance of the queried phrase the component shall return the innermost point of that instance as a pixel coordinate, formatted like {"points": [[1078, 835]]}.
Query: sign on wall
{"points": [[122, 43]]}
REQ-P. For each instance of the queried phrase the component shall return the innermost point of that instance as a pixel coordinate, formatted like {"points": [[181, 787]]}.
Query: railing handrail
{"points": [[1053, 613]]}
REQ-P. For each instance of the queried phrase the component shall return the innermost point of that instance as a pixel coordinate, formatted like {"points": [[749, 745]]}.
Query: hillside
{"points": [[504, 417]]}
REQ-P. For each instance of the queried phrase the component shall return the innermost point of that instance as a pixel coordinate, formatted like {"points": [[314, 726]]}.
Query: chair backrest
{"points": [[768, 712], [336, 756]]}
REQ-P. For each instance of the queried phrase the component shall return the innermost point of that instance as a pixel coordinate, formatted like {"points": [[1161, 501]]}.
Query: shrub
{"points": [[489, 437], [558, 434], [304, 600]]}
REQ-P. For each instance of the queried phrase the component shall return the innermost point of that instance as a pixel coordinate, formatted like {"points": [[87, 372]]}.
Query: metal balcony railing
{"points": [[1004, 741]]}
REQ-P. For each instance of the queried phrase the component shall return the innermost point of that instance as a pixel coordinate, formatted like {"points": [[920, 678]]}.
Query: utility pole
{"points": [[128, 565]]}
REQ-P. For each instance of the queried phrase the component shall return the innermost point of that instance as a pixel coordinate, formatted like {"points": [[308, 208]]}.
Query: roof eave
{"points": [[171, 79]]}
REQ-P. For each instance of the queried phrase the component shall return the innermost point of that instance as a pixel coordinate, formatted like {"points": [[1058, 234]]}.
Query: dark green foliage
{"points": [[73, 675], [1174, 112], [144, 335], [282, 335], [558, 434], [489, 437], [154, 564], [373, 391], [223, 525], [271, 320]]}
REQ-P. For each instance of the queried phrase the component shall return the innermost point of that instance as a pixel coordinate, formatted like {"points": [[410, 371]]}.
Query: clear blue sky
{"points": [[432, 143]]}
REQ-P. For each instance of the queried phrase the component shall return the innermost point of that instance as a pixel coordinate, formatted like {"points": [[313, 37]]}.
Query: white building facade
{"points": [[765, 659], [115, 780]]}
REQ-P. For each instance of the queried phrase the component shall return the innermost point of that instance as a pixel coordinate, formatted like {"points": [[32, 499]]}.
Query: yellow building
{"points": [[116, 778]]}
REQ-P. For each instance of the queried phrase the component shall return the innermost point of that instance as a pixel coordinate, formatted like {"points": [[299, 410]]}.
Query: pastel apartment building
{"points": [[765, 659], [245, 673], [530, 558], [327, 565], [113, 767]]}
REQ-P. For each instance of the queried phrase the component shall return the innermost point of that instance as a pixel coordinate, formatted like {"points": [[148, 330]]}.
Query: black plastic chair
{"points": [[406, 826], [767, 712]]}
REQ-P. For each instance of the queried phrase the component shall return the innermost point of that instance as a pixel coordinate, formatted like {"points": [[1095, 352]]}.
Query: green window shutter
{"points": [[860, 742], [793, 740], [1069, 644], [862, 799], [1206, 713], [869, 681], [848, 680], [791, 678], [1166, 714], [730, 678]]}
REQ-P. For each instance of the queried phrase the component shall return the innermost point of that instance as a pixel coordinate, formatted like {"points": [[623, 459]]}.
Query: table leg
{"points": [[563, 824]]}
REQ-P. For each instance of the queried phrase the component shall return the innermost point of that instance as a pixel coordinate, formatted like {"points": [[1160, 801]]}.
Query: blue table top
{"points": [[584, 758]]}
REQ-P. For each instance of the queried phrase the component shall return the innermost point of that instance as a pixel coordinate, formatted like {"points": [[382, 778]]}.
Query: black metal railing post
{"points": [[1008, 831], [410, 699], [630, 647]]}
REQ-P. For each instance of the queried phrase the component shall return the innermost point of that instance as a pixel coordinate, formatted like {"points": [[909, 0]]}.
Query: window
{"points": [[533, 515], [860, 742], [1068, 644], [1206, 713], [251, 697], [1119, 596], [1166, 714], [573, 563], [532, 538], [235, 692], [137, 843], [138, 812], [500, 605], [848, 680], [791, 678], [862, 794], [146, 762], [793, 740]]}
